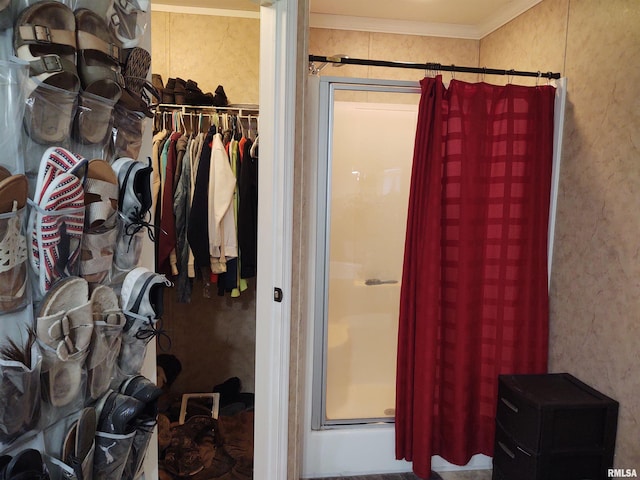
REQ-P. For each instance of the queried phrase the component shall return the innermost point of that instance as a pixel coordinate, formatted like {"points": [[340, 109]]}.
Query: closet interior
{"points": [[207, 156]]}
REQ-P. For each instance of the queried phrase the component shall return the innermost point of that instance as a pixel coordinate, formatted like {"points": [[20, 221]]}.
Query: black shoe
{"points": [[4, 461], [26, 465], [220, 98], [144, 390], [180, 92], [229, 391], [117, 413]]}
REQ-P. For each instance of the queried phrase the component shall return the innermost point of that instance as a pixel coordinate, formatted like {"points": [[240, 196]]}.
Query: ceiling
{"points": [[452, 18]]}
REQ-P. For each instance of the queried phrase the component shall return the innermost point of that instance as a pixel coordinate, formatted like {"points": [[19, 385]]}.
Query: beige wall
{"points": [[595, 300], [214, 337], [386, 46], [595, 286], [211, 50], [595, 304]]}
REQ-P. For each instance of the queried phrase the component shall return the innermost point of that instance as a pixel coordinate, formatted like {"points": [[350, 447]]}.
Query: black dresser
{"points": [[553, 427]]}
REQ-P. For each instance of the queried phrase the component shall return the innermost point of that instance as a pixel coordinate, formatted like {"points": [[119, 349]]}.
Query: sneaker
{"points": [[142, 296], [134, 204], [142, 304]]}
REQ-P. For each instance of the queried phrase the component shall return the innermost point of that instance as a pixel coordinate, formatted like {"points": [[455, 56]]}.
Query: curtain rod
{"points": [[429, 66]]}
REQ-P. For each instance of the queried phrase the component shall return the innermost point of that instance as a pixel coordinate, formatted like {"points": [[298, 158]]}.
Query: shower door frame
{"points": [[327, 89], [365, 449]]}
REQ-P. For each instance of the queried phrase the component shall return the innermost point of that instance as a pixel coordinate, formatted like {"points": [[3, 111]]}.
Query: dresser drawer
{"points": [[512, 461], [555, 413]]}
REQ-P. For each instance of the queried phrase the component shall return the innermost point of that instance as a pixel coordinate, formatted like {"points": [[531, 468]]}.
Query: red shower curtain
{"points": [[474, 300]]}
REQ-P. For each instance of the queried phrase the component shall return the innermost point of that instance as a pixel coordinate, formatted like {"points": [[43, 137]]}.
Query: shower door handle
{"points": [[377, 281]]}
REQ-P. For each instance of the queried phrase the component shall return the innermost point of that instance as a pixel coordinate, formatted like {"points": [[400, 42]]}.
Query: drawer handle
{"points": [[509, 404], [506, 450], [524, 451]]}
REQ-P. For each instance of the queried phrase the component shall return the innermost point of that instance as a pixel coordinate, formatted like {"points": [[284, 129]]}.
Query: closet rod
{"points": [[169, 108], [429, 66]]}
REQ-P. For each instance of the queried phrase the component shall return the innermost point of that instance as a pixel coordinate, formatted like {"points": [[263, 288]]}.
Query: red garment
{"points": [[167, 235], [474, 300]]}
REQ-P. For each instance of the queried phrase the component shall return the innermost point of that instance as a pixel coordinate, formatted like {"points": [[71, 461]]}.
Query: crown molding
{"points": [[379, 25], [219, 12]]}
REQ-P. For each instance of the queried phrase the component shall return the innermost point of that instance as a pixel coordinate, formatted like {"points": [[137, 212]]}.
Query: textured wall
{"points": [[595, 300], [213, 338], [211, 50], [386, 46]]}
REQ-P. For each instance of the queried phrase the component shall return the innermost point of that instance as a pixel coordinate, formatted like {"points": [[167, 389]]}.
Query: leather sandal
{"points": [[101, 213], [100, 75], [45, 36], [64, 326]]}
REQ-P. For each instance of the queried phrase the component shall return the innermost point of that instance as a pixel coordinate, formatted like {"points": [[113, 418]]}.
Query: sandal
{"points": [[139, 95], [13, 246], [56, 221], [101, 214], [64, 326], [99, 69], [125, 16], [108, 321], [44, 35]]}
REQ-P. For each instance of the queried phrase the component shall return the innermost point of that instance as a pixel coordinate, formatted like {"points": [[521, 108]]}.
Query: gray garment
{"points": [[181, 209]]}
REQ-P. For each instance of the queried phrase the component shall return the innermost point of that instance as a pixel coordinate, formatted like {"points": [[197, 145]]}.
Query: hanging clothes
{"points": [[221, 218], [198, 188], [182, 208], [166, 259], [197, 230], [248, 211]]}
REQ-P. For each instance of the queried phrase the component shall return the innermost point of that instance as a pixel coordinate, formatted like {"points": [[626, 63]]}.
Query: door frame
{"points": [[278, 50]]}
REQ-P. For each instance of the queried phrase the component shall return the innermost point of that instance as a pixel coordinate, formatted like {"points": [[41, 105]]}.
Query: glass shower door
{"points": [[370, 153]]}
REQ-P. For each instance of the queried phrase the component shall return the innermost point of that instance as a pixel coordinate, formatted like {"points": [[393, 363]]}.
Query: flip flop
{"points": [[44, 36], [79, 445], [13, 245], [99, 69], [136, 70], [101, 214], [64, 326]]}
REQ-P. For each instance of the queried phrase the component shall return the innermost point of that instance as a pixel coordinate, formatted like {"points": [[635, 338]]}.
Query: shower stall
{"points": [[365, 132], [360, 139]]}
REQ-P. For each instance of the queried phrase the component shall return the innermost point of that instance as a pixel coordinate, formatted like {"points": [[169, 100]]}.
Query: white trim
{"points": [[558, 129], [219, 12], [427, 29], [278, 46]]}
